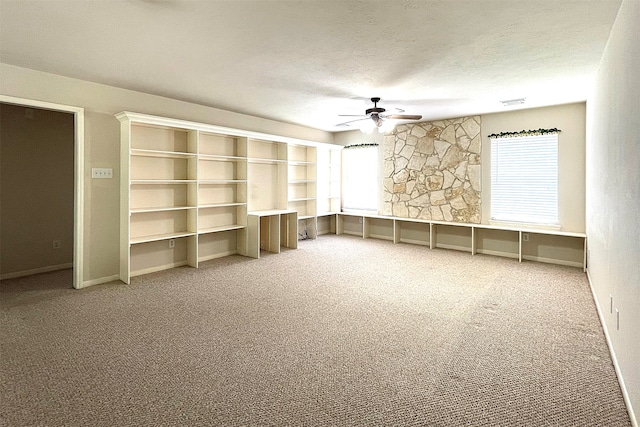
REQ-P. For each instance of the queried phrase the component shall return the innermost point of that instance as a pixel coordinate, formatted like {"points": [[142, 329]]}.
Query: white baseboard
{"points": [[38, 270], [623, 387], [100, 281]]}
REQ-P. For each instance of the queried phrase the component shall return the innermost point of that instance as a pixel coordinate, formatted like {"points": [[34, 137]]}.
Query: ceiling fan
{"points": [[377, 116]]}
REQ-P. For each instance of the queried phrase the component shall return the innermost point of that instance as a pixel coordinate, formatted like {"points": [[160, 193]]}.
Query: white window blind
{"points": [[360, 178], [524, 179]]}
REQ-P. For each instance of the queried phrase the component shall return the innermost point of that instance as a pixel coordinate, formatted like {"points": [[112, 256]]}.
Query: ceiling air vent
{"points": [[511, 102]]}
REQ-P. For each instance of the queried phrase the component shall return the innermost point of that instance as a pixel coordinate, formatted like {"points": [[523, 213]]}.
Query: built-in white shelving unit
{"points": [[222, 195], [328, 200], [183, 195], [160, 196], [519, 242], [267, 165], [302, 184], [191, 192]]}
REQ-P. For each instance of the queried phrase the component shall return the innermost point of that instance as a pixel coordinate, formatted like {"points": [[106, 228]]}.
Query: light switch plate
{"points": [[102, 173]]}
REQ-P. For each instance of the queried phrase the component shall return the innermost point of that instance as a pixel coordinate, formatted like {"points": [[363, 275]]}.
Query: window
{"points": [[524, 179], [360, 177]]}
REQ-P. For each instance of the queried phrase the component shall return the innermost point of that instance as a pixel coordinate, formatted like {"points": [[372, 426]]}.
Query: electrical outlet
{"points": [[102, 173], [172, 243], [525, 237], [57, 244]]}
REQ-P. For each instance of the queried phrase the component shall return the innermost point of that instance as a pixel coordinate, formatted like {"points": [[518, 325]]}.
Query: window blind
{"points": [[524, 179]]}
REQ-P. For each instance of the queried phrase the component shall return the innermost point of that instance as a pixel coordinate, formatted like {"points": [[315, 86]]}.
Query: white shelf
{"points": [[257, 160], [222, 181], [161, 209], [220, 205], [300, 163], [162, 154], [219, 158], [162, 181], [302, 199], [221, 228], [159, 237]]}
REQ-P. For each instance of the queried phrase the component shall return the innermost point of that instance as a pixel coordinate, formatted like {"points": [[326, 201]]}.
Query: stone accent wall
{"points": [[432, 170]]}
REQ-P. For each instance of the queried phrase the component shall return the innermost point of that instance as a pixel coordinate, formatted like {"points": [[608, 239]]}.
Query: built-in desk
{"points": [[270, 230]]}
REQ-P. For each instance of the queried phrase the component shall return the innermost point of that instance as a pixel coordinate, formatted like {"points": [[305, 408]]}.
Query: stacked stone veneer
{"points": [[432, 170]]}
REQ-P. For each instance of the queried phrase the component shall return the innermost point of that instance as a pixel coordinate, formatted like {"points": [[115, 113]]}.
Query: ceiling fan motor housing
{"points": [[375, 108]]}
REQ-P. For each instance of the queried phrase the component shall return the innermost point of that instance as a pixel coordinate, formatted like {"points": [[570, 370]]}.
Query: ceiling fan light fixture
{"points": [[386, 126], [367, 126]]}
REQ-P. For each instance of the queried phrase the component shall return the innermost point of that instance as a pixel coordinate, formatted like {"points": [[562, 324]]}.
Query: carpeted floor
{"points": [[339, 332]]}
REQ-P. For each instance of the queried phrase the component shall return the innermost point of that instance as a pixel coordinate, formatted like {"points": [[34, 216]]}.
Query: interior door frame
{"points": [[78, 176]]}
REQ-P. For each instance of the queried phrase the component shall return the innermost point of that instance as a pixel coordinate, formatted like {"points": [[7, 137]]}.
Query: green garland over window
{"points": [[525, 133], [360, 145]]}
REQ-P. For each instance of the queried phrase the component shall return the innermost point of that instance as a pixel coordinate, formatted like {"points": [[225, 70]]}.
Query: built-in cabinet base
{"points": [[522, 243]]}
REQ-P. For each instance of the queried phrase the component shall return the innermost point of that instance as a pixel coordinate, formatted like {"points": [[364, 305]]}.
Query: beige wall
{"points": [[36, 197], [570, 119], [102, 144], [613, 193]]}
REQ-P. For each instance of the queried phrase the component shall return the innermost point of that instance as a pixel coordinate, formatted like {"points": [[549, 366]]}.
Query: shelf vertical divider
{"points": [[432, 235], [366, 225], [519, 246], [283, 176], [125, 201], [473, 240], [192, 197], [253, 236], [396, 231], [242, 196]]}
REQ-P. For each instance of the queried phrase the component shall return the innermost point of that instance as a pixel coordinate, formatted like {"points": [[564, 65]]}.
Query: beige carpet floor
{"points": [[340, 332]]}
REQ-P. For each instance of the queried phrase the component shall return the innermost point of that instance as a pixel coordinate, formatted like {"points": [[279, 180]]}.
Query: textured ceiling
{"points": [[305, 62]]}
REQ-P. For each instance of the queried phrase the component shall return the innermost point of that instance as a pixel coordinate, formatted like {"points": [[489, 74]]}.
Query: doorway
{"points": [[41, 199]]}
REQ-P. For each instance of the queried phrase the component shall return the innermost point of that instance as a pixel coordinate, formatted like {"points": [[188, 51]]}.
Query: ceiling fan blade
{"points": [[352, 121], [403, 117], [351, 115]]}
